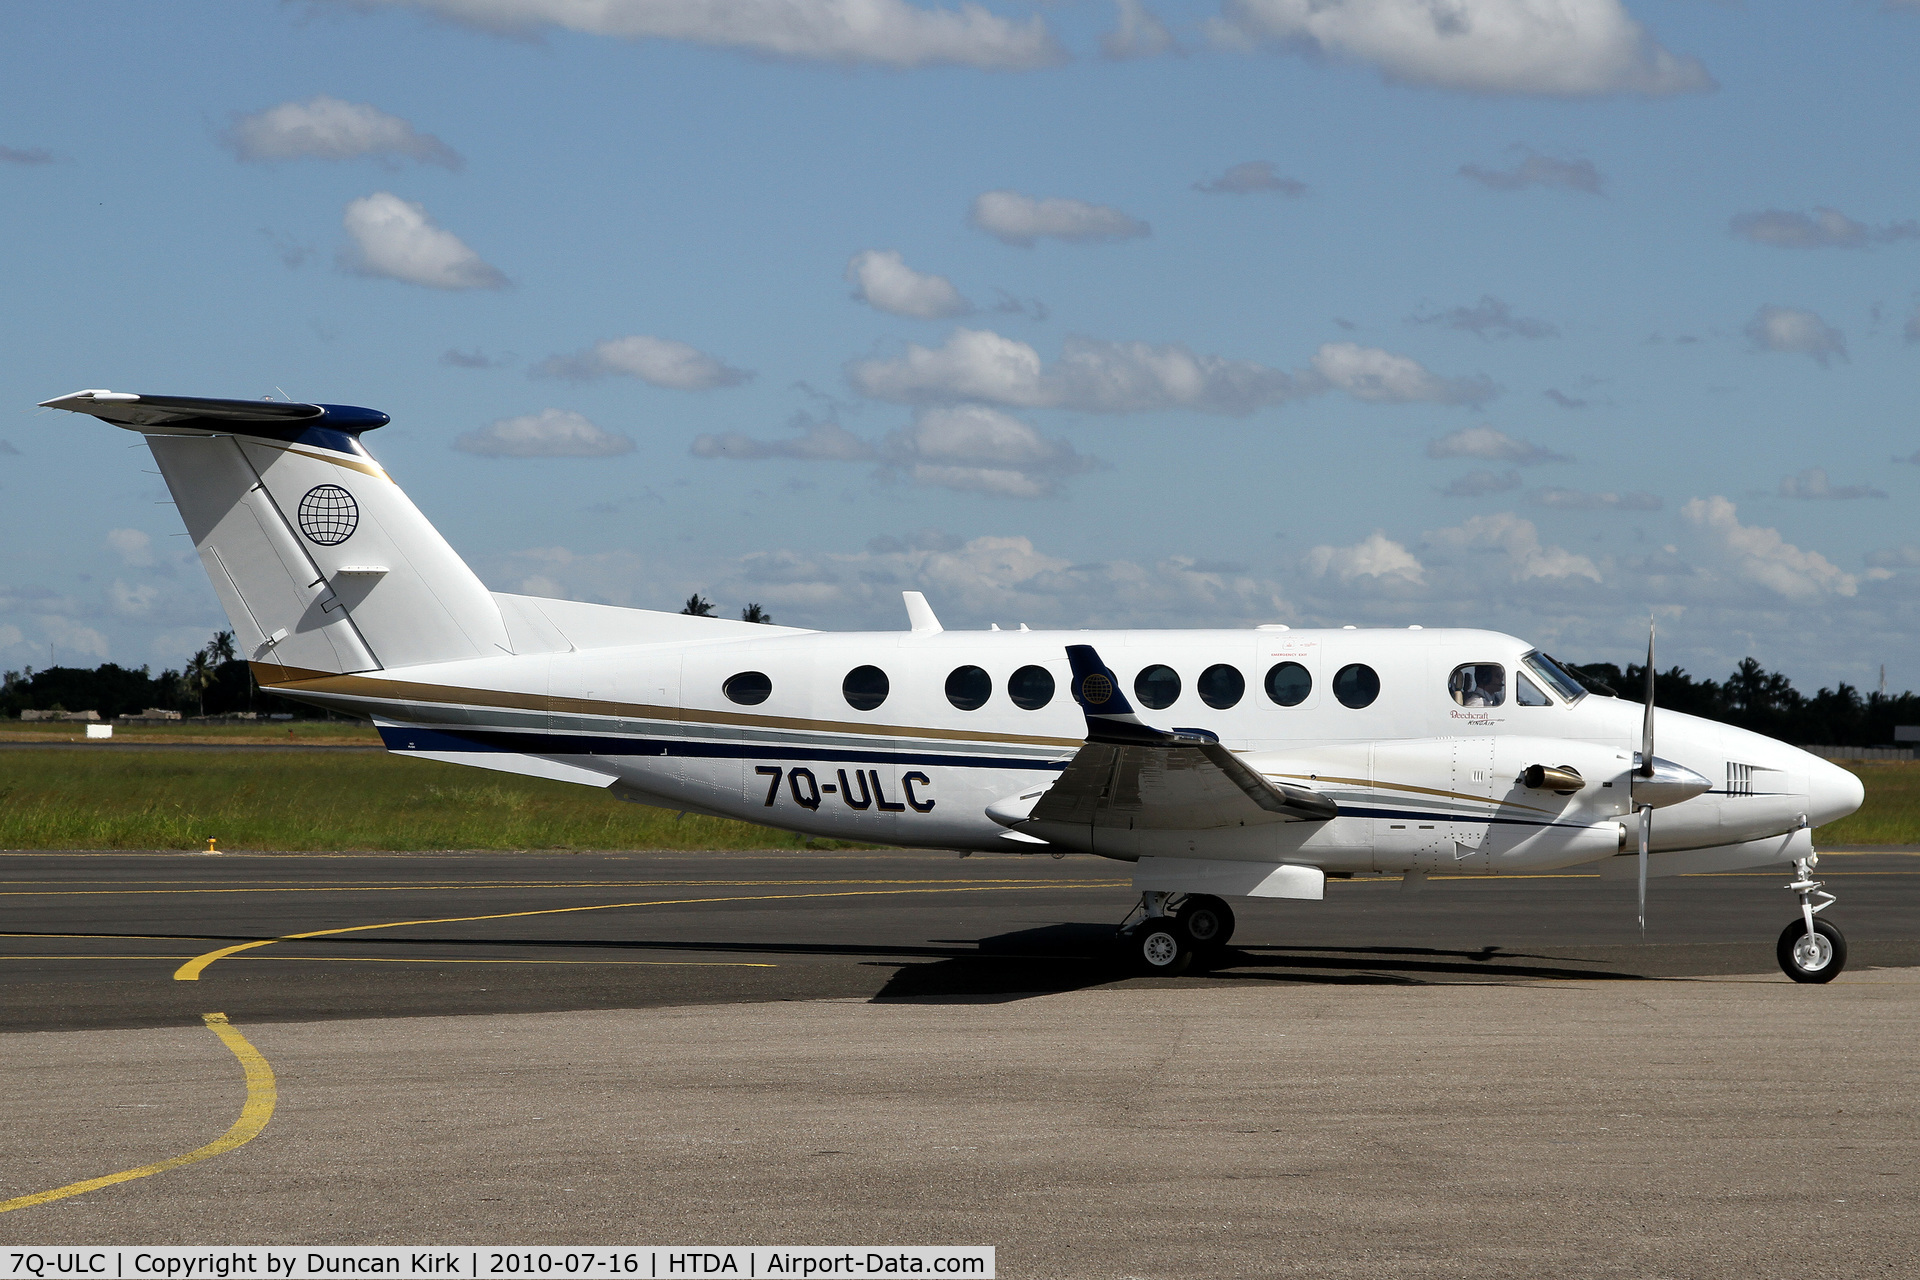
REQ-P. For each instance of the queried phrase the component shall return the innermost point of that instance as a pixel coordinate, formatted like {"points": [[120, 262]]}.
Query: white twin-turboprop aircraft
{"points": [[1251, 763]]}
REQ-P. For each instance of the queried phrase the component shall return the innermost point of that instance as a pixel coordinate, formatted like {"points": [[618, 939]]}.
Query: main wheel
{"points": [[1159, 945], [1818, 957], [1207, 920]]}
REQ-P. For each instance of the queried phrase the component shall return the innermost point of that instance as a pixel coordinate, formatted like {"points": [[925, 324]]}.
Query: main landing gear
{"points": [[1811, 950], [1168, 941]]}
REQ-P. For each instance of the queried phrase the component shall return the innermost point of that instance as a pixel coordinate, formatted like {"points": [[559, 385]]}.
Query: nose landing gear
{"points": [[1811, 950]]}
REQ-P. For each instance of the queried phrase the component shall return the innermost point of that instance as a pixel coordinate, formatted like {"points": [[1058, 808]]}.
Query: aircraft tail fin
{"points": [[322, 563]]}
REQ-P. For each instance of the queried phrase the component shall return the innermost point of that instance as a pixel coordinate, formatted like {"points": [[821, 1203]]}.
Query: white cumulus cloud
{"points": [[1091, 375], [884, 32], [1369, 373], [1376, 556], [1137, 33], [660, 361], [971, 447], [1555, 48], [397, 239], [1021, 219], [1761, 556], [1579, 500], [325, 128], [1491, 445], [1519, 541], [1793, 330], [1821, 229], [551, 433], [882, 279], [967, 447], [134, 548]]}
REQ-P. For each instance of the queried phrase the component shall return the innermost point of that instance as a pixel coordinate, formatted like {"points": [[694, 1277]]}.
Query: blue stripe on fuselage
{"points": [[401, 738]]}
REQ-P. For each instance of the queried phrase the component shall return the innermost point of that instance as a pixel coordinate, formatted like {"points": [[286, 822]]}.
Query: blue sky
{"points": [[1537, 314]]}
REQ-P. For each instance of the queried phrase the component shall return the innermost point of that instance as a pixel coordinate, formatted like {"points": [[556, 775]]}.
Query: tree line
{"points": [[1765, 702], [212, 682]]}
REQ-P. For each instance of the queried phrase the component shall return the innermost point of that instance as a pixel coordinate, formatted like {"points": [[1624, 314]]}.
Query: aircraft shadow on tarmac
{"points": [[1040, 961], [1068, 957]]}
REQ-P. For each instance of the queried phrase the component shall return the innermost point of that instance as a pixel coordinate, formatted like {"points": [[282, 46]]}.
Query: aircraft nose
{"points": [[1832, 792]]}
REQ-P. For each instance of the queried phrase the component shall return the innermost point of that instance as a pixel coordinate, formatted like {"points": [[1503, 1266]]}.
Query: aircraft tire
{"points": [[1811, 963], [1207, 920], [1158, 946]]}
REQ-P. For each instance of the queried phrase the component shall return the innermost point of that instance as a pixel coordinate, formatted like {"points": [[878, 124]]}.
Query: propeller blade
{"points": [[1646, 718], [1646, 838]]}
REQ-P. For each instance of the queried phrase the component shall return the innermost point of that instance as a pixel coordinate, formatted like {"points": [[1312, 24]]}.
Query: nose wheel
{"points": [[1811, 949]]}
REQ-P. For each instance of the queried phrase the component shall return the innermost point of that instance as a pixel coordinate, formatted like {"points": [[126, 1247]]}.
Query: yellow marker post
{"points": [[261, 1097]]}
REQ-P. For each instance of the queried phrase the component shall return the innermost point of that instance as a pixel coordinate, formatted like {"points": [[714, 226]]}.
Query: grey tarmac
{"points": [[1484, 1078]]}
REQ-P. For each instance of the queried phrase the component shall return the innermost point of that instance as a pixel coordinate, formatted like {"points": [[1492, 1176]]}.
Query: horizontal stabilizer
{"points": [[272, 417]]}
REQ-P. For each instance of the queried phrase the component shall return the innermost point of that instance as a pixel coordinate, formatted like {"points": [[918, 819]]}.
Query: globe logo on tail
{"points": [[328, 515], [1096, 689]]}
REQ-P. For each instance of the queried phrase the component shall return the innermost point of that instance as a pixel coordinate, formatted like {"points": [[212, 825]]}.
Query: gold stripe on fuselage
{"points": [[364, 686]]}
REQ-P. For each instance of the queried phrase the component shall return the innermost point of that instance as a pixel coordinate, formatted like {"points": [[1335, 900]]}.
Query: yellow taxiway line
{"points": [[261, 1096], [191, 970]]}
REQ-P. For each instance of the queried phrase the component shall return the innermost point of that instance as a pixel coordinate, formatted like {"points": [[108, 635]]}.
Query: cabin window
{"points": [[1555, 676], [1157, 687], [1356, 685], [1031, 688], [749, 688], [865, 688], [1289, 683], [1478, 684], [968, 688], [1221, 686], [1527, 693]]}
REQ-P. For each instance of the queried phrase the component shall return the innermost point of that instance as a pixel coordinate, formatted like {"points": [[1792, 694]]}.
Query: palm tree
{"points": [[221, 646], [754, 613], [198, 675], [699, 606]]}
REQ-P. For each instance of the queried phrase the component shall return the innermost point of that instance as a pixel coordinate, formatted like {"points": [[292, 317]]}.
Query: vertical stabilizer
{"points": [[323, 565]]}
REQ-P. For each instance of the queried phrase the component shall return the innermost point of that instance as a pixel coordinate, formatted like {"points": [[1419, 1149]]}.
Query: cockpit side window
{"points": [[1478, 684], [1527, 693], [1555, 678]]}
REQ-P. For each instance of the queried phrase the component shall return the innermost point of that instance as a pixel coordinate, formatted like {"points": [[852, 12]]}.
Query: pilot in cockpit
{"points": [[1479, 684]]}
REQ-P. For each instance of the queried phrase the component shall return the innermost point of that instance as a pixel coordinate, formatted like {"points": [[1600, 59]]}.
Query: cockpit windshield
{"points": [[1555, 676]]}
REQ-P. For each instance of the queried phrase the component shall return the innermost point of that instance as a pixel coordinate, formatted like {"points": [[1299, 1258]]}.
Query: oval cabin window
{"points": [[1157, 687], [865, 688], [1289, 683], [749, 688], [1221, 686], [968, 688], [1356, 685], [1031, 688]]}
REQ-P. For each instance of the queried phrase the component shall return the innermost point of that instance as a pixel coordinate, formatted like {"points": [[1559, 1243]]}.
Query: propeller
{"points": [[1645, 771]]}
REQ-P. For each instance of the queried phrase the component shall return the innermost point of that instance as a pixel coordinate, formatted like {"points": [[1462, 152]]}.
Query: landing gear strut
{"points": [[1156, 943], [1811, 950], [1167, 941]]}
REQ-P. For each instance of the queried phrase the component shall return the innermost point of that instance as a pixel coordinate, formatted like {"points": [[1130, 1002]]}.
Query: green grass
{"points": [[1891, 814], [259, 733], [302, 801]]}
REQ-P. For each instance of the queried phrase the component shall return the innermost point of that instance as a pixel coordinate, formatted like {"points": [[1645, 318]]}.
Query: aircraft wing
{"points": [[1134, 776]]}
